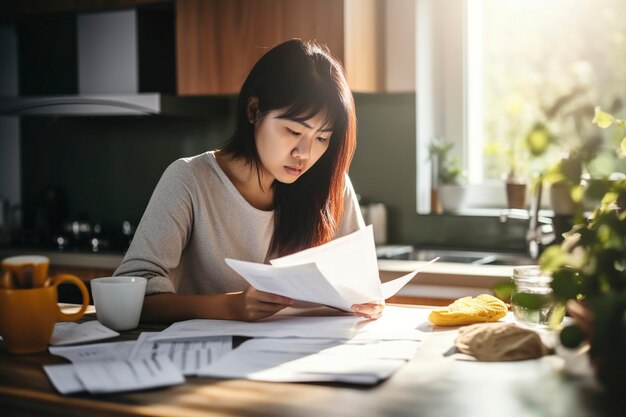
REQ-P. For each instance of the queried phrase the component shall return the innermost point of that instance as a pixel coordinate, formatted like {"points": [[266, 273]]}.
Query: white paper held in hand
{"points": [[339, 273]]}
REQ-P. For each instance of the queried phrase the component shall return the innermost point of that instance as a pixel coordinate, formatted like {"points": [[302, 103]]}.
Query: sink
{"points": [[459, 256], [509, 259], [444, 255]]}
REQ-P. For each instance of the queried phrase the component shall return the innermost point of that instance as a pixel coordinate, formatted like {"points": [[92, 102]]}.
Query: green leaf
{"points": [[602, 119], [553, 258], [556, 317], [538, 139], [596, 188], [565, 284], [554, 175], [503, 290], [572, 336]]}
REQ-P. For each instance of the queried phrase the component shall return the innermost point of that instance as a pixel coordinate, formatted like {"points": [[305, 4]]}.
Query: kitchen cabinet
{"points": [[218, 41], [379, 45], [127, 51], [399, 45]]}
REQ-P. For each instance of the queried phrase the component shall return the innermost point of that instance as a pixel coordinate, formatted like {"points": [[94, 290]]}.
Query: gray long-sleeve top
{"points": [[195, 219]]}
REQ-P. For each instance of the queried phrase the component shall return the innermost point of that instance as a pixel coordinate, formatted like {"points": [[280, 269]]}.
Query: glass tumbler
{"points": [[532, 301]]}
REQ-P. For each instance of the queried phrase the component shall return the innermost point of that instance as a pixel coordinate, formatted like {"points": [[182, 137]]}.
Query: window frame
{"points": [[449, 101]]}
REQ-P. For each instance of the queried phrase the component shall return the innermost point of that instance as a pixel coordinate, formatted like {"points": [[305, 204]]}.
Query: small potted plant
{"points": [[446, 176], [589, 270], [517, 154]]}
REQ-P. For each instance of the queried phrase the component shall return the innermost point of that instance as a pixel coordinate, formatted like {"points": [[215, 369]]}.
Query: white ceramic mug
{"points": [[118, 301]]}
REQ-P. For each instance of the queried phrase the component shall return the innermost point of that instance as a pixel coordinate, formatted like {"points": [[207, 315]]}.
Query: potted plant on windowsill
{"points": [[589, 270], [446, 176], [515, 179], [516, 191]]}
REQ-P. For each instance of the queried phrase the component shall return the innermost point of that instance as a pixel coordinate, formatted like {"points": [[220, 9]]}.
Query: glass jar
{"points": [[532, 301]]}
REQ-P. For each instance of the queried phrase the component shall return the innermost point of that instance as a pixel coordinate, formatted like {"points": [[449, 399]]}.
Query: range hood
{"points": [[109, 66], [84, 105]]}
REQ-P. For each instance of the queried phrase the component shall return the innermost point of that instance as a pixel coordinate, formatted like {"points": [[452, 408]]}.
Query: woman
{"points": [[277, 187]]}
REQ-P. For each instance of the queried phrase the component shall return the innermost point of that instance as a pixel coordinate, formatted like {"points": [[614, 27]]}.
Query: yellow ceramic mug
{"points": [[27, 316]]}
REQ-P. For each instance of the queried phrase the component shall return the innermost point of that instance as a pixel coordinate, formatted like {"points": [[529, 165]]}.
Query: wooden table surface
{"points": [[433, 383]]}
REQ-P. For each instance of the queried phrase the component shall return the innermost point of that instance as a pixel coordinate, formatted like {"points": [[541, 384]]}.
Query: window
{"points": [[495, 68]]}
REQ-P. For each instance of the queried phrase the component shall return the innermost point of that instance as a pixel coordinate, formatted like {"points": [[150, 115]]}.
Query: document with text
{"points": [[302, 360], [70, 333], [339, 273], [333, 327], [188, 355], [102, 377], [113, 351]]}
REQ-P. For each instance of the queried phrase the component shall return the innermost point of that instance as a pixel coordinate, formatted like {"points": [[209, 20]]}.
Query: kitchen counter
{"points": [[441, 280], [440, 273], [109, 260], [446, 273], [444, 280]]}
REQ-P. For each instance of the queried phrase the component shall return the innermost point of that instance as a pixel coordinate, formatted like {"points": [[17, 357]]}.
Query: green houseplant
{"points": [[446, 175], [565, 148], [530, 142], [446, 167], [589, 270]]}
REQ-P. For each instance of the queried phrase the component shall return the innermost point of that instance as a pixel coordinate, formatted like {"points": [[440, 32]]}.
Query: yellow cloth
{"points": [[468, 310]]}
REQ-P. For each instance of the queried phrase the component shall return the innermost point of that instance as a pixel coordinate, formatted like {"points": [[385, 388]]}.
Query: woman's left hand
{"points": [[372, 310]]}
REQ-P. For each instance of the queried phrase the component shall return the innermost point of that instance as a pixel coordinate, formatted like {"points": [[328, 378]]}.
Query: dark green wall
{"points": [[383, 169], [109, 166]]}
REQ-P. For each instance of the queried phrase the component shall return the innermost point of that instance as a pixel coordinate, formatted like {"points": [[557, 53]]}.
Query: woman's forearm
{"points": [[170, 307]]}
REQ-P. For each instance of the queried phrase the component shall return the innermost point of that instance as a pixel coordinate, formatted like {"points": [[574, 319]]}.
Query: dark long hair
{"points": [[301, 79]]}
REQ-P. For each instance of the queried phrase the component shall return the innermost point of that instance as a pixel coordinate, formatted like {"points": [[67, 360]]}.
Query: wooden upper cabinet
{"points": [[218, 41], [379, 45], [399, 45]]}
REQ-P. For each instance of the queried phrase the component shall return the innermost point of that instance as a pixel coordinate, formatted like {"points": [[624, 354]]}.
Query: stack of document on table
{"points": [[339, 273], [342, 348], [133, 365], [302, 360], [304, 349]]}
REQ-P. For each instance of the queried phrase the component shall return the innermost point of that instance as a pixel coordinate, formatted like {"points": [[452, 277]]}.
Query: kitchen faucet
{"points": [[540, 230]]}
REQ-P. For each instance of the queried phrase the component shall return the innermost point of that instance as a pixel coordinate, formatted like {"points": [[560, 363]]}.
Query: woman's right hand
{"points": [[253, 305]]}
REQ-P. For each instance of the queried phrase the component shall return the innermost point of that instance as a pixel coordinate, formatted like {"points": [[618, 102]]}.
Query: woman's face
{"points": [[288, 148]]}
